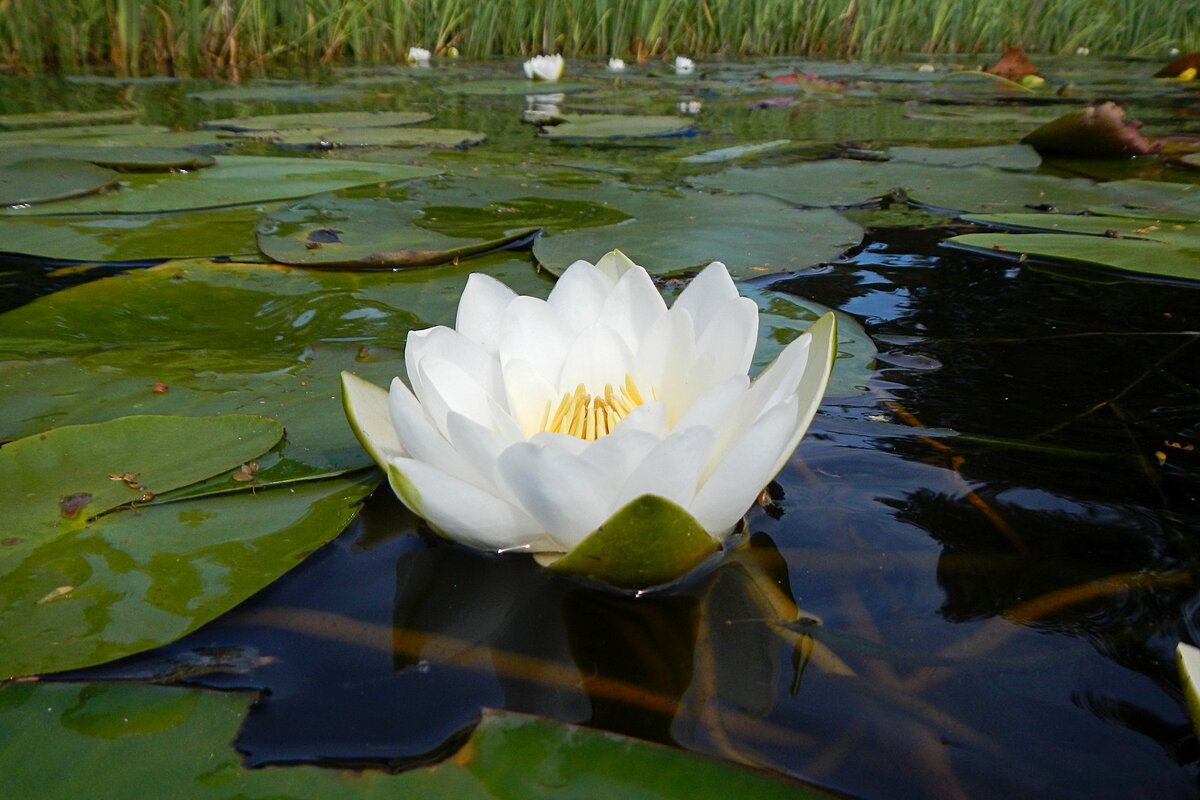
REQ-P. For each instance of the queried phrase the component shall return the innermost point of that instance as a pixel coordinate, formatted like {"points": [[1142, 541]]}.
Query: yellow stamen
{"points": [[589, 417]]}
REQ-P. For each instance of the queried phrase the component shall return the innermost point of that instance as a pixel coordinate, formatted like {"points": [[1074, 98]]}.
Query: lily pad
{"points": [[135, 237], [274, 93], [62, 740], [586, 127], [43, 180], [371, 137], [1131, 255], [512, 88], [681, 231], [327, 119], [1020, 157], [1102, 130], [1180, 234], [734, 153], [53, 119], [1179, 202], [843, 182], [129, 582], [647, 543], [79, 134], [235, 180], [122, 159]]}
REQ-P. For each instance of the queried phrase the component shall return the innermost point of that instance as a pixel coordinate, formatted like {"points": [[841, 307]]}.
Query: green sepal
{"points": [[647, 543]]}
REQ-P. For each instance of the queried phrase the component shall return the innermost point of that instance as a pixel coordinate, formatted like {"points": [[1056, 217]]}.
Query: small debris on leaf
{"points": [[160, 388], [72, 504], [246, 472], [54, 594]]}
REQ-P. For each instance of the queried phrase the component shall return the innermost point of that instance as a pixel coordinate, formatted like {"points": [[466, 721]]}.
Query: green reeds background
{"points": [[224, 36]]}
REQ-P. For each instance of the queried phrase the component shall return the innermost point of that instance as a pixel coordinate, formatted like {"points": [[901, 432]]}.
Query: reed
{"points": [[228, 36]]}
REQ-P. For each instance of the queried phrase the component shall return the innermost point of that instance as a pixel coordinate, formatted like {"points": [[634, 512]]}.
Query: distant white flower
{"points": [[544, 68], [532, 422], [616, 65], [1082, 51], [418, 55], [689, 106], [1174, 51], [684, 65], [925, 68]]}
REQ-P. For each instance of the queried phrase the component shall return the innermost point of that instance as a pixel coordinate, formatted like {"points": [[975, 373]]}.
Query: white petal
{"points": [[664, 361], [780, 379], [706, 294], [671, 470], [459, 510], [445, 344], [481, 448], [567, 496], [536, 332], [747, 467], [579, 294], [481, 310], [597, 357], [632, 307], [813, 384], [531, 397], [446, 387], [614, 263], [366, 407], [726, 346], [417, 435], [650, 417], [619, 453], [718, 406]]}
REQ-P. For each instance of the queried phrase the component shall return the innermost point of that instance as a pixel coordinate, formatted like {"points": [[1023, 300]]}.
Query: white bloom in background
{"points": [[532, 422], [1174, 51], [616, 65], [418, 55], [1082, 51], [926, 68], [684, 65], [689, 106], [544, 68]]}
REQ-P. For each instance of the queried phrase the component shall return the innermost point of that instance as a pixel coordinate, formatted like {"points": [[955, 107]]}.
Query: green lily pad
{"points": [[1131, 255], [1187, 661], [680, 231], [334, 232], [1009, 156], [327, 119], [586, 127], [122, 159], [78, 134], [53, 119], [274, 93], [135, 237], [62, 740], [734, 153], [132, 581], [1177, 202], [647, 543], [44, 180], [842, 182], [511, 88], [235, 180], [370, 137], [1180, 234]]}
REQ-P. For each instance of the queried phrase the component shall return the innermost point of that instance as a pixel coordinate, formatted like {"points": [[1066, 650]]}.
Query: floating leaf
{"points": [[235, 180], [1101, 130], [81, 134], [1131, 255], [1176, 233], [62, 740], [371, 137], [734, 153], [43, 180], [269, 92], [585, 127], [141, 580], [681, 231], [510, 88], [1180, 66], [326, 119], [123, 159], [1009, 156], [1013, 65], [647, 543], [52, 119]]}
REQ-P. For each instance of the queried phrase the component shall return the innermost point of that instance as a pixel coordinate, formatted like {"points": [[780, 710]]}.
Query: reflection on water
{"points": [[984, 607]]}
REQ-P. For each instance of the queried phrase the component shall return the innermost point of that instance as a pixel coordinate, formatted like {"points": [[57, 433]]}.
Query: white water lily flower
{"points": [[418, 55], [544, 68], [684, 65], [616, 65], [533, 422]]}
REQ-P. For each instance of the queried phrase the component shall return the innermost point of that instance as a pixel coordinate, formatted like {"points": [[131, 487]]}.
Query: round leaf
{"points": [[44, 180], [327, 119], [1130, 255], [584, 127]]}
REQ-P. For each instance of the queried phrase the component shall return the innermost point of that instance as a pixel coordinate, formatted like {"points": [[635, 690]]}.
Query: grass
{"points": [[232, 36]]}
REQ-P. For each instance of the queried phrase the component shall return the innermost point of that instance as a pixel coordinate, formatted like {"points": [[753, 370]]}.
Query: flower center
{"points": [[589, 417]]}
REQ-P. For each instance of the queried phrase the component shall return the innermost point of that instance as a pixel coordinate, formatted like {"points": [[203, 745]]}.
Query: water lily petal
{"points": [[536, 332], [598, 356], [704, 297], [480, 447], [619, 454], [366, 407], [567, 496], [421, 439], [481, 310], [531, 397], [444, 386], [458, 509], [719, 410], [579, 294], [671, 470], [747, 467], [780, 379], [726, 345], [632, 307], [614, 264], [650, 417], [446, 344], [665, 359], [811, 389]]}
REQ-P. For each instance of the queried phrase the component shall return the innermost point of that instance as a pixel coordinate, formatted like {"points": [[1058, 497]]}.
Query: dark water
{"points": [[991, 552]]}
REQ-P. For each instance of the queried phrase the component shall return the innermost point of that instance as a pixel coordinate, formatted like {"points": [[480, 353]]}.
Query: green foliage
{"points": [[196, 36]]}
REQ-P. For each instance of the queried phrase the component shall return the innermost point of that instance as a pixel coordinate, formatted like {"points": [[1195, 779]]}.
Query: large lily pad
{"points": [[53, 119], [123, 159], [512, 88], [681, 231], [235, 180], [326, 119], [77, 134], [43, 180], [270, 92], [1019, 157], [589, 127], [62, 740], [1180, 234], [843, 182], [370, 137], [1131, 255], [1177, 202], [135, 237], [130, 581]]}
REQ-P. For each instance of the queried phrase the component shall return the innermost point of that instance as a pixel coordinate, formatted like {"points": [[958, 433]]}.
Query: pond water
{"points": [[976, 567]]}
